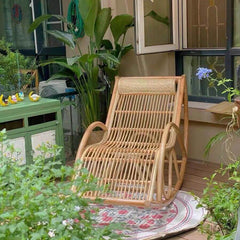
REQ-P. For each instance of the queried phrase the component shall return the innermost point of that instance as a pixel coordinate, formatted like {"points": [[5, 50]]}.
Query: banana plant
{"points": [[84, 69]]}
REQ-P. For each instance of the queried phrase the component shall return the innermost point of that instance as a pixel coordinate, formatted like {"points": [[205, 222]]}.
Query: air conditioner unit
{"points": [[53, 87]]}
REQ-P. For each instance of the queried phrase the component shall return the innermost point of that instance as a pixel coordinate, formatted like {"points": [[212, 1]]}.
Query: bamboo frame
{"points": [[136, 158]]}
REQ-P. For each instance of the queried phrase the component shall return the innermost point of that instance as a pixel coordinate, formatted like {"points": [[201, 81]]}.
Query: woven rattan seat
{"points": [[137, 158]]}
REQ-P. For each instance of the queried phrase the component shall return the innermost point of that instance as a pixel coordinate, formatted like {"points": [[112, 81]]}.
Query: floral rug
{"points": [[154, 223]]}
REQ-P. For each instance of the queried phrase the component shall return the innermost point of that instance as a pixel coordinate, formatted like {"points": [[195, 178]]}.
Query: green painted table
{"points": [[29, 124]]}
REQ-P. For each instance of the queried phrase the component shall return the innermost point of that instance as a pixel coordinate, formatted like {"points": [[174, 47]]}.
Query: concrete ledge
{"points": [[198, 113]]}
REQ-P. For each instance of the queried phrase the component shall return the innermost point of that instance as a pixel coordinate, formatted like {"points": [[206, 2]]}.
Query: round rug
{"points": [[155, 222]]}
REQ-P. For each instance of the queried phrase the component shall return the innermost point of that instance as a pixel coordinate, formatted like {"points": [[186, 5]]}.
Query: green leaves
{"points": [[44, 18], [221, 200], [83, 68], [64, 37], [120, 24], [37, 201], [89, 11], [102, 23], [214, 140]]}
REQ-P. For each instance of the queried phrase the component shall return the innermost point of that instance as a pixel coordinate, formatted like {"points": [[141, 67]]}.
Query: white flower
{"points": [[64, 222], [77, 208], [68, 222], [70, 228], [51, 233]]}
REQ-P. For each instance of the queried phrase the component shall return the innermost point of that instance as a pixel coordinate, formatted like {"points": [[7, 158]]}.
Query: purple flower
{"points": [[203, 73]]}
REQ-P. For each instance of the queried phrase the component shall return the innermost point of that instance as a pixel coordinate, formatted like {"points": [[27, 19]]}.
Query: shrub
{"points": [[11, 62], [222, 200], [36, 201]]}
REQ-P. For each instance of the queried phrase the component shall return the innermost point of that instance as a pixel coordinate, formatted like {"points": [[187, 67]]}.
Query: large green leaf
{"points": [[43, 18], [125, 50], [60, 75], [120, 24], [89, 10], [102, 22], [107, 44], [72, 60], [63, 63], [87, 58], [64, 37], [108, 57]]}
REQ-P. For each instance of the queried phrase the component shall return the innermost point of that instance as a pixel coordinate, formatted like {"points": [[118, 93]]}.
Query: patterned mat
{"points": [[151, 223]]}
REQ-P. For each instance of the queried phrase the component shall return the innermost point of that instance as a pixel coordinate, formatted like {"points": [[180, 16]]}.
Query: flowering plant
{"points": [[205, 73], [36, 201]]}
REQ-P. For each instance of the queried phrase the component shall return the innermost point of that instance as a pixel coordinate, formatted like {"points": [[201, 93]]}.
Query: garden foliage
{"points": [[222, 200], [36, 201], [11, 62]]}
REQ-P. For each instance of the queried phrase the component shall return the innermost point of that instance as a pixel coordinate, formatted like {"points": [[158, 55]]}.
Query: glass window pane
{"points": [[236, 25], [204, 87], [237, 72], [15, 19], [206, 23], [158, 22], [53, 7]]}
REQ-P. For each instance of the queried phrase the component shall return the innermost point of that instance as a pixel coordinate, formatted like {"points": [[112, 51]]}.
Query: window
{"points": [[51, 7], [15, 19], [209, 36], [153, 18], [204, 45]]}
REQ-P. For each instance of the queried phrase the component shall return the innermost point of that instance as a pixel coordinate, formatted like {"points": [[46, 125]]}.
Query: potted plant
{"points": [[84, 69]]}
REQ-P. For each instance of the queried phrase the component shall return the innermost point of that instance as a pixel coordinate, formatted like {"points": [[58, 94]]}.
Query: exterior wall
{"points": [[203, 125]]}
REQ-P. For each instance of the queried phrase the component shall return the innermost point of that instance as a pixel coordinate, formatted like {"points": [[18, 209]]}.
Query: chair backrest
{"points": [[142, 106]]}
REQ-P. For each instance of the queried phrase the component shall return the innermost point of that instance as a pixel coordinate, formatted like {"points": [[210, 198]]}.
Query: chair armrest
{"points": [[87, 134], [169, 138]]}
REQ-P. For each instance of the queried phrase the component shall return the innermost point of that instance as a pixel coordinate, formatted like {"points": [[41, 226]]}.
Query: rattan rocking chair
{"points": [[137, 156]]}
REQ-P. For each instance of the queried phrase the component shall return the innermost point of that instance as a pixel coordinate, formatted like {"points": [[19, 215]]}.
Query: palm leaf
{"points": [[43, 18], [217, 138], [89, 11], [102, 23], [64, 37], [108, 57], [120, 24]]}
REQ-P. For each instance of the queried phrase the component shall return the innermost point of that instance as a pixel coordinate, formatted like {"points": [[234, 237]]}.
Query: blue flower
{"points": [[203, 73]]}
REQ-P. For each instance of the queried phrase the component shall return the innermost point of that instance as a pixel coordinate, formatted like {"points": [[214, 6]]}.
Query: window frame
{"points": [[229, 52], [140, 28]]}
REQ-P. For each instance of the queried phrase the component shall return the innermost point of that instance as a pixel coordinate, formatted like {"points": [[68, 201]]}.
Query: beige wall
{"points": [[203, 125]]}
